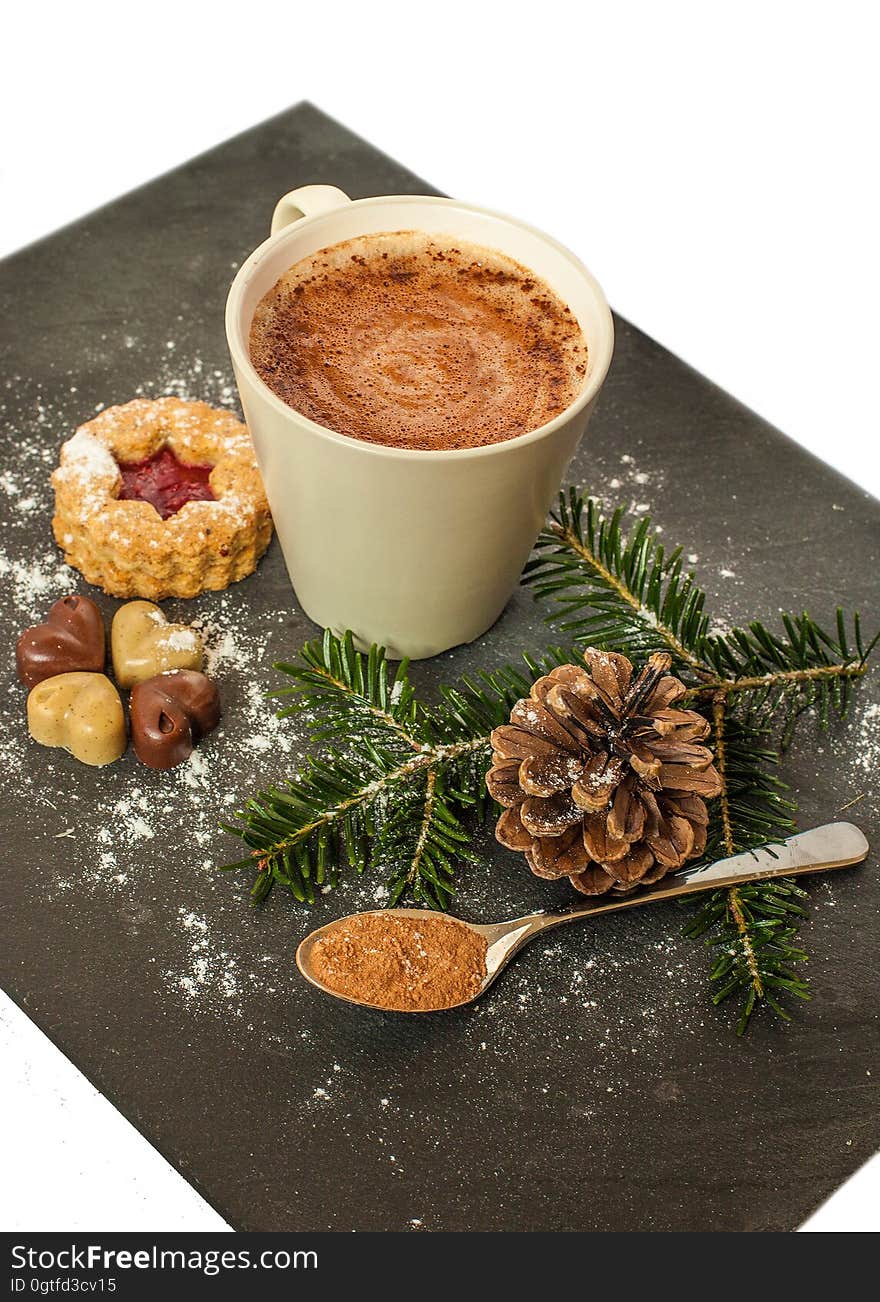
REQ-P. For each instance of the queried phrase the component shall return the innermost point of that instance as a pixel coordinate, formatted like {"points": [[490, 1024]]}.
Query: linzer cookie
{"points": [[161, 498]]}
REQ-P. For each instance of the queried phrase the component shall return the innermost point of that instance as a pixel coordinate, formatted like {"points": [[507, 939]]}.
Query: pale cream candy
{"points": [[143, 643], [80, 712]]}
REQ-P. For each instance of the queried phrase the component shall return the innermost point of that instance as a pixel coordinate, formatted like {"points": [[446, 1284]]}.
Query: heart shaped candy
{"points": [[81, 712], [72, 638], [143, 644], [170, 713]]}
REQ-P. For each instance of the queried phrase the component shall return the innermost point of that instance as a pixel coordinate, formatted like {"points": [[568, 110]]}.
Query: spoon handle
{"points": [[835, 845]]}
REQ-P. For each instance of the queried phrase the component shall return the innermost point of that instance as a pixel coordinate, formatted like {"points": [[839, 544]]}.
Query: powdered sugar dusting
{"points": [[207, 968], [225, 647], [134, 809], [867, 749], [30, 583], [629, 477], [179, 639], [90, 465]]}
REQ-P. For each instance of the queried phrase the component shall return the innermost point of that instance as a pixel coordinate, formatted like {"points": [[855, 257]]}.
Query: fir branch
{"points": [[611, 590], [421, 847], [744, 941], [752, 929], [767, 913], [395, 780], [773, 679], [357, 809], [345, 689], [424, 826], [628, 595], [720, 739]]}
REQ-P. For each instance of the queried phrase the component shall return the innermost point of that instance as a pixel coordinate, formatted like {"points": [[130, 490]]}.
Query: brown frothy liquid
{"points": [[418, 342]]}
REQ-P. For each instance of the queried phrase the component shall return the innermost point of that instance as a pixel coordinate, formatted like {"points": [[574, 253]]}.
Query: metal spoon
{"points": [[836, 845]]}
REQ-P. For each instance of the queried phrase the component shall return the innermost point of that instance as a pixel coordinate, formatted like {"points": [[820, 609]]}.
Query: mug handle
{"points": [[306, 202]]}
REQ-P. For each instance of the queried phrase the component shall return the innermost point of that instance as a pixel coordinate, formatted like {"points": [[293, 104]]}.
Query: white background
{"points": [[715, 166]]}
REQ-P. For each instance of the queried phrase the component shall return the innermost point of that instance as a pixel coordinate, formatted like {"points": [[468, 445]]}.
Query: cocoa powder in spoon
{"points": [[401, 963]]}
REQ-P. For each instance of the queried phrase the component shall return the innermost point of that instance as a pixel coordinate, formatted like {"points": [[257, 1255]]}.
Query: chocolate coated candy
{"points": [[82, 713], [71, 639], [170, 713]]}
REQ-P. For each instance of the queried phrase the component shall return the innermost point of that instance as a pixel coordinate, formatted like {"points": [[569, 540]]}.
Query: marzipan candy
{"points": [[80, 712], [143, 643]]}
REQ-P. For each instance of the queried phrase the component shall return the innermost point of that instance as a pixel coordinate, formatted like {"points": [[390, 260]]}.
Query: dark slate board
{"points": [[596, 1088]]}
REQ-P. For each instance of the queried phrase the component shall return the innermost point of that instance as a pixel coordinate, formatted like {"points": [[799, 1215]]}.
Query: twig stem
{"points": [[426, 823], [734, 903], [730, 686]]}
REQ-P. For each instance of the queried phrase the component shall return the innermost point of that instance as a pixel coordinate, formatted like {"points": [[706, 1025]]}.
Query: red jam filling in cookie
{"points": [[164, 482]]}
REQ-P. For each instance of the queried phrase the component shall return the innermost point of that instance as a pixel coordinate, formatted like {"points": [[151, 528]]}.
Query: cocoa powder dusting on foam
{"points": [[403, 964], [418, 342]]}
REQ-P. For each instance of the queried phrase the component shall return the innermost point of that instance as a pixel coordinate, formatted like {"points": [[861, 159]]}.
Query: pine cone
{"points": [[601, 780]]}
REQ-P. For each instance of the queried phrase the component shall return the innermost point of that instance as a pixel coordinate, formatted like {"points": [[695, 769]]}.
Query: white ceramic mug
{"points": [[418, 551]]}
